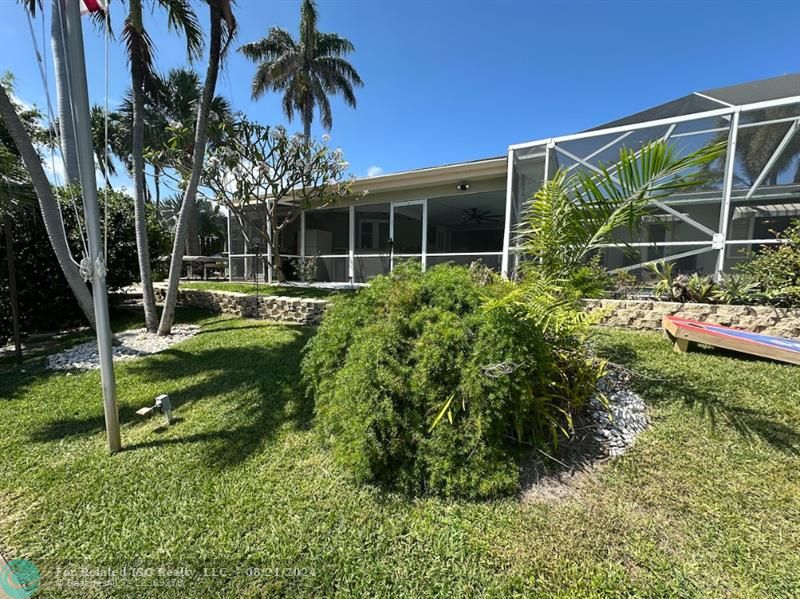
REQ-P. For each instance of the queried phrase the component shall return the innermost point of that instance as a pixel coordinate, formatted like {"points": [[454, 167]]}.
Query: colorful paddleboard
{"points": [[683, 331]]}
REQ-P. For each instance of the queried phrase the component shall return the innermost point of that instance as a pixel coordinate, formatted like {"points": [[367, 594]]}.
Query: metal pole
{"points": [[725, 209], [79, 100], [230, 249]]}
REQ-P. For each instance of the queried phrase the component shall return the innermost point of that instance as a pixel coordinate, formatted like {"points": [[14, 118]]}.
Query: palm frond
{"points": [[308, 26], [331, 44], [570, 218], [182, 18], [140, 50], [277, 42]]}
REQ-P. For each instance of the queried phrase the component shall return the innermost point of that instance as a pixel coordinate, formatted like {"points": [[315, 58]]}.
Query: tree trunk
{"points": [[51, 215], [12, 286], [200, 136], [157, 184], [308, 115], [192, 244], [69, 151], [275, 246], [137, 156]]}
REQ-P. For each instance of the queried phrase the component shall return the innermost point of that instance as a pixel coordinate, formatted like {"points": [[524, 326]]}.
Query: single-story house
{"points": [[468, 211]]}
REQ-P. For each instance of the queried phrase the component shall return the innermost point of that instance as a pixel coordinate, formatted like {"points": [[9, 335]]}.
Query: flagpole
{"points": [[95, 261]]}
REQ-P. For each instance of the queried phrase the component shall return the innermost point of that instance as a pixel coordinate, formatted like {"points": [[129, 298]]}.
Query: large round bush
{"points": [[427, 383]]}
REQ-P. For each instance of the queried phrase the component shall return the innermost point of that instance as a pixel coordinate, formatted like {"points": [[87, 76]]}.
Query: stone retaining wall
{"points": [[275, 308], [647, 315]]}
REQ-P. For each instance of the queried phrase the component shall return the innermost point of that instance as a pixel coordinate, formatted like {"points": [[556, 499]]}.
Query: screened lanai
{"points": [[750, 194], [469, 211], [452, 213]]}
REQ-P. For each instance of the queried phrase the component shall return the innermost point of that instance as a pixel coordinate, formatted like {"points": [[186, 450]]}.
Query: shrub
{"points": [[777, 269], [45, 300], [432, 383]]}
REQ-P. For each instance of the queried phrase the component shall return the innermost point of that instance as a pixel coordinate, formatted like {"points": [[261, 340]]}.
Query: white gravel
{"points": [[134, 343], [622, 417]]}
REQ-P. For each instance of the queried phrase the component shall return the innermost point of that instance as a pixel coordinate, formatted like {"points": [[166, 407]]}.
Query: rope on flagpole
{"points": [[105, 165]]}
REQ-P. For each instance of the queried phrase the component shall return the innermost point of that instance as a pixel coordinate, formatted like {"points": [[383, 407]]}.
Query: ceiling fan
{"points": [[479, 216]]}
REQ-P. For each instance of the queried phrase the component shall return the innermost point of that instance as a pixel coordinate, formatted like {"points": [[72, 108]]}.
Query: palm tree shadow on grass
{"points": [[700, 395], [260, 385]]}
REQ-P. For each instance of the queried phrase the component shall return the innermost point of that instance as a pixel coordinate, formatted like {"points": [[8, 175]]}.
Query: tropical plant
{"points": [[305, 268], [572, 217], [211, 224], [306, 70], [435, 383], [140, 56], [777, 268], [103, 152], [221, 32], [18, 130], [276, 177], [40, 282], [738, 289], [698, 288], [664, 277]]}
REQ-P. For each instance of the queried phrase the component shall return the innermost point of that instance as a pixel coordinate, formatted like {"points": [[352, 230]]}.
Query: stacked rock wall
{"points": [[267, 307], [647, 315]]}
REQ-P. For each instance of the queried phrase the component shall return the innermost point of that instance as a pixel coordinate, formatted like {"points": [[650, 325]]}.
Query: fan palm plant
{"points": [[306, 70], [571, 218]]}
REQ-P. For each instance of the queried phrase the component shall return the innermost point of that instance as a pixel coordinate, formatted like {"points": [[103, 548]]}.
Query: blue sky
{"points": [[454, 80]]}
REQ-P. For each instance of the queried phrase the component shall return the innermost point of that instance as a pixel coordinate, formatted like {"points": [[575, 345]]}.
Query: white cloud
{"points": [[374, 171]]}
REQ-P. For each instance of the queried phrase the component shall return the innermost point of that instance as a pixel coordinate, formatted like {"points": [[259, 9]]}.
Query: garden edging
{"points": [[647, 315], [264, 307]]}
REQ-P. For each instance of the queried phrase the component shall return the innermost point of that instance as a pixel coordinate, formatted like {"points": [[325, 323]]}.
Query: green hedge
{"points": [[414, 347], [45, 300]]}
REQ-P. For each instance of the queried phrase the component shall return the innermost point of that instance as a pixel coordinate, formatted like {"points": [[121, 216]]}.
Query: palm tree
{"points": [[140, 56], [571, 218], [306, 71], [175, 103], [222, 30], [97, 123]]}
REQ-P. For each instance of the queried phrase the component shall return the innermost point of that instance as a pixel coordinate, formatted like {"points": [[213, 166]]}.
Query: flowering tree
{"points": [[260, 169]]}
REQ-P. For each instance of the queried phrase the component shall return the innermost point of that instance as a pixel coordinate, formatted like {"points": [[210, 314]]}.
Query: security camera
{"points": [[463, 186]]}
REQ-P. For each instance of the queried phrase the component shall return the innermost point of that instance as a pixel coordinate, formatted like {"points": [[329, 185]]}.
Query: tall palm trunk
{"points": [[51, 215], [137, 157], [308, 115], [69, 152], [200, 137], [192, 231], [157, 184]]}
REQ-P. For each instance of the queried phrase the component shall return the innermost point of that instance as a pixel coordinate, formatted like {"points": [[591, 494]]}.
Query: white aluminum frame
{"points": [[719, 239]]}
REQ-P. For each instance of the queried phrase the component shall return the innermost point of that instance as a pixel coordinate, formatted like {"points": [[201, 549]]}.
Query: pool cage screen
{"points": [[750, 193]]}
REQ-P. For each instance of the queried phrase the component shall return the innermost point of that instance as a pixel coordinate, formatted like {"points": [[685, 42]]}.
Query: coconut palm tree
{"points": [[306, 71], [221, 32], [140, 56]]}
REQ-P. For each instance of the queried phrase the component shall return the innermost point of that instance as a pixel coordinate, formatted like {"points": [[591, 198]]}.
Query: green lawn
{"points": [[706, 504], [263, 289]]}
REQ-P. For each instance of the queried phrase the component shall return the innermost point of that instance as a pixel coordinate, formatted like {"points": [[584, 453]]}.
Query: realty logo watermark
{"points": [[19, 578]]}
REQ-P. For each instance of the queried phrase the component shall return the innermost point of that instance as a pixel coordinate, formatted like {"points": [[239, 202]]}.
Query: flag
{"points": [[90, 6]]}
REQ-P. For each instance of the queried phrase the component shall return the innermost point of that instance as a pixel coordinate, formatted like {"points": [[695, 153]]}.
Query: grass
{"points": [[706, 504], [263, 289]]}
